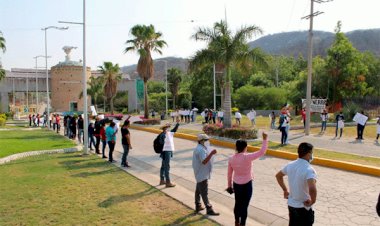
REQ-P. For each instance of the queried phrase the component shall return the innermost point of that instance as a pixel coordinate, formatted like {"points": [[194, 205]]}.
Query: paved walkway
{"points": [[344, 145], [344, 198]]}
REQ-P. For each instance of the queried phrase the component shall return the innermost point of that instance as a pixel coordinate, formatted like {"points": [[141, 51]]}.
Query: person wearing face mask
{"points": [[302, 192], [202, 166]]}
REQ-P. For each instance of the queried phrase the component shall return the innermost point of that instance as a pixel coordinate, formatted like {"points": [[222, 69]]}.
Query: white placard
{"points": [[340, 124], [317, 105], [93, 111], [360, 119], [220, 114]]}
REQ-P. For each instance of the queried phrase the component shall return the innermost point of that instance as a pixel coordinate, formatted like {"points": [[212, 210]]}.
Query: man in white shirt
{"points": [[167, 139], [237, 117], [302, 185]]}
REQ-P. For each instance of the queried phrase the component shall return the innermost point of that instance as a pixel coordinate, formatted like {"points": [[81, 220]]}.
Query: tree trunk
{"points": [[173, 102], [222, 97], [227, 121], [111, 105], [146, 107]]}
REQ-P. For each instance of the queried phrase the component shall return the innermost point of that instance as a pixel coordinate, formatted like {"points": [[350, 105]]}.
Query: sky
{"points": [[109, 23]]}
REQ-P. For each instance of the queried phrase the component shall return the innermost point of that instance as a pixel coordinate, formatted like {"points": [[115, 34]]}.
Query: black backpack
{"points": [[157, 145]]}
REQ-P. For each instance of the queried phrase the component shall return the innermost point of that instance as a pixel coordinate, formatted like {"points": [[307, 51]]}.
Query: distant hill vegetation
{"points": [[295, 43], [286, 43]]}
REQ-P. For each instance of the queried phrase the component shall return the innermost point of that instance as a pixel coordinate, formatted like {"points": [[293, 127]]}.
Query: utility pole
{"points": [[310, 62]]}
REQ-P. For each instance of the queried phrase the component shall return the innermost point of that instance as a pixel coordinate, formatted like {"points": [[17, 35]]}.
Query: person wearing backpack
{"points": [[166, 139]]}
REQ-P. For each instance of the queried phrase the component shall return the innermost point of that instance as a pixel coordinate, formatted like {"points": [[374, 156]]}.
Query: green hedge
{"points": [[3, 119], [234, 132]]}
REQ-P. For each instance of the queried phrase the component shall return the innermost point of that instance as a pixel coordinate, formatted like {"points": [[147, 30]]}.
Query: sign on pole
{"points": [[317, 105]]}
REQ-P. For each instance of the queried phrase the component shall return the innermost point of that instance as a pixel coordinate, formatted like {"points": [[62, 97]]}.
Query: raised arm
{"points": [[263, 149]]}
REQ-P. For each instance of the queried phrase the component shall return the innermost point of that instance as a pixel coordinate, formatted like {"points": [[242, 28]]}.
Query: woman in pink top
{"points": [[240, 170]]}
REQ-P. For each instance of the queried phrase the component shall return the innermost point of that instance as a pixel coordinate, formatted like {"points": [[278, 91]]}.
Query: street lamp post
{"points": [[166, 85], [36, 57], [46, 70], [84, 78]]}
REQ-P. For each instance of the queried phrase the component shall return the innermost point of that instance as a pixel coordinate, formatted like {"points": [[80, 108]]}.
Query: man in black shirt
{"points": [[126, 142]]}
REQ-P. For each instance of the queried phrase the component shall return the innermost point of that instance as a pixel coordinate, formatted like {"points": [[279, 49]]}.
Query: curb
{"points": [[336, 164], [32, 153]]}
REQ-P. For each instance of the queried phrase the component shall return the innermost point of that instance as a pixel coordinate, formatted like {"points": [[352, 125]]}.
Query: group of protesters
{"points": [[212, 116], [184, 115]]}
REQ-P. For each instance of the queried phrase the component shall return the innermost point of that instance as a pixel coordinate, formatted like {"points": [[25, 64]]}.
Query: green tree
{"points": [[174, 80], [226, 49], [111, 76], [95, 89], [3, 48], [156, 87], [346, 68], [146, 40]]}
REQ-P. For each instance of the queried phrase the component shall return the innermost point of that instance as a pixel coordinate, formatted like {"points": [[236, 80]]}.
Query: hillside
{"points": [[159, 67], [295, 43], [286, 43]]}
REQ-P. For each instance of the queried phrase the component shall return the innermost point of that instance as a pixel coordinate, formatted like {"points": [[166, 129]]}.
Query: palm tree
{"points": [[174, 78], [3, 48], [146, 40], [226, 50], [2, 42], [95, 89], [111, 76]]}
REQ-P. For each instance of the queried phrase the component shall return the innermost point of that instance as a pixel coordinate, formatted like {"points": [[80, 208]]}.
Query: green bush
{"points": [[350, 110], [2, 121], [234, 132], [157, 101], [124, 111]]}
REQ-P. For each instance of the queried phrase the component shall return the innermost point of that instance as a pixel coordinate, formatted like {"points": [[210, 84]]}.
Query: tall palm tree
{"points": [[3, 48], [95, 89], [111, 76], [174, 79], [2, 42], [226, 50], [146, 40]]}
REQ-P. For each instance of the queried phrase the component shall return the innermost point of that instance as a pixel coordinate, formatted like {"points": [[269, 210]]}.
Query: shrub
{"points": [[149, 121], [350, 110], [234, 132], [2, 122], [125, 111]]}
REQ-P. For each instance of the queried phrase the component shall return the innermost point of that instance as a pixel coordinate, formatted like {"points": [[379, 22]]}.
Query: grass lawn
{"points": [[67, 189], [16, 141]]}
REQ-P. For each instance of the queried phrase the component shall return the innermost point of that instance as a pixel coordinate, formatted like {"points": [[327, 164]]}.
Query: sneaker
{"points": [[211, 212], [170, 185]]}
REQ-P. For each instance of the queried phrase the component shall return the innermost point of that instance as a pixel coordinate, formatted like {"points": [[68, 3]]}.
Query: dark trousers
{"points": [[201, 190], [165, 165], [360, 130], [104, 147], [111, 145], [97, 144], [300, 216], [91, 140], [243, 194], [125, 154], [336, 131], [284, 134]]}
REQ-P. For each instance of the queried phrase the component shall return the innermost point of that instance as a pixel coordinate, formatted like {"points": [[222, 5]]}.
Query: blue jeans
{"points": [[80, 135], [287, 134], [272, 125], [91, 140], [125, 154], [165, 166], [324, 123]]}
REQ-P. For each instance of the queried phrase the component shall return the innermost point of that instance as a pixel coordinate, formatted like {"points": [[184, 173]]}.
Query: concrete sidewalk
{"points": [[344, 198]]}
